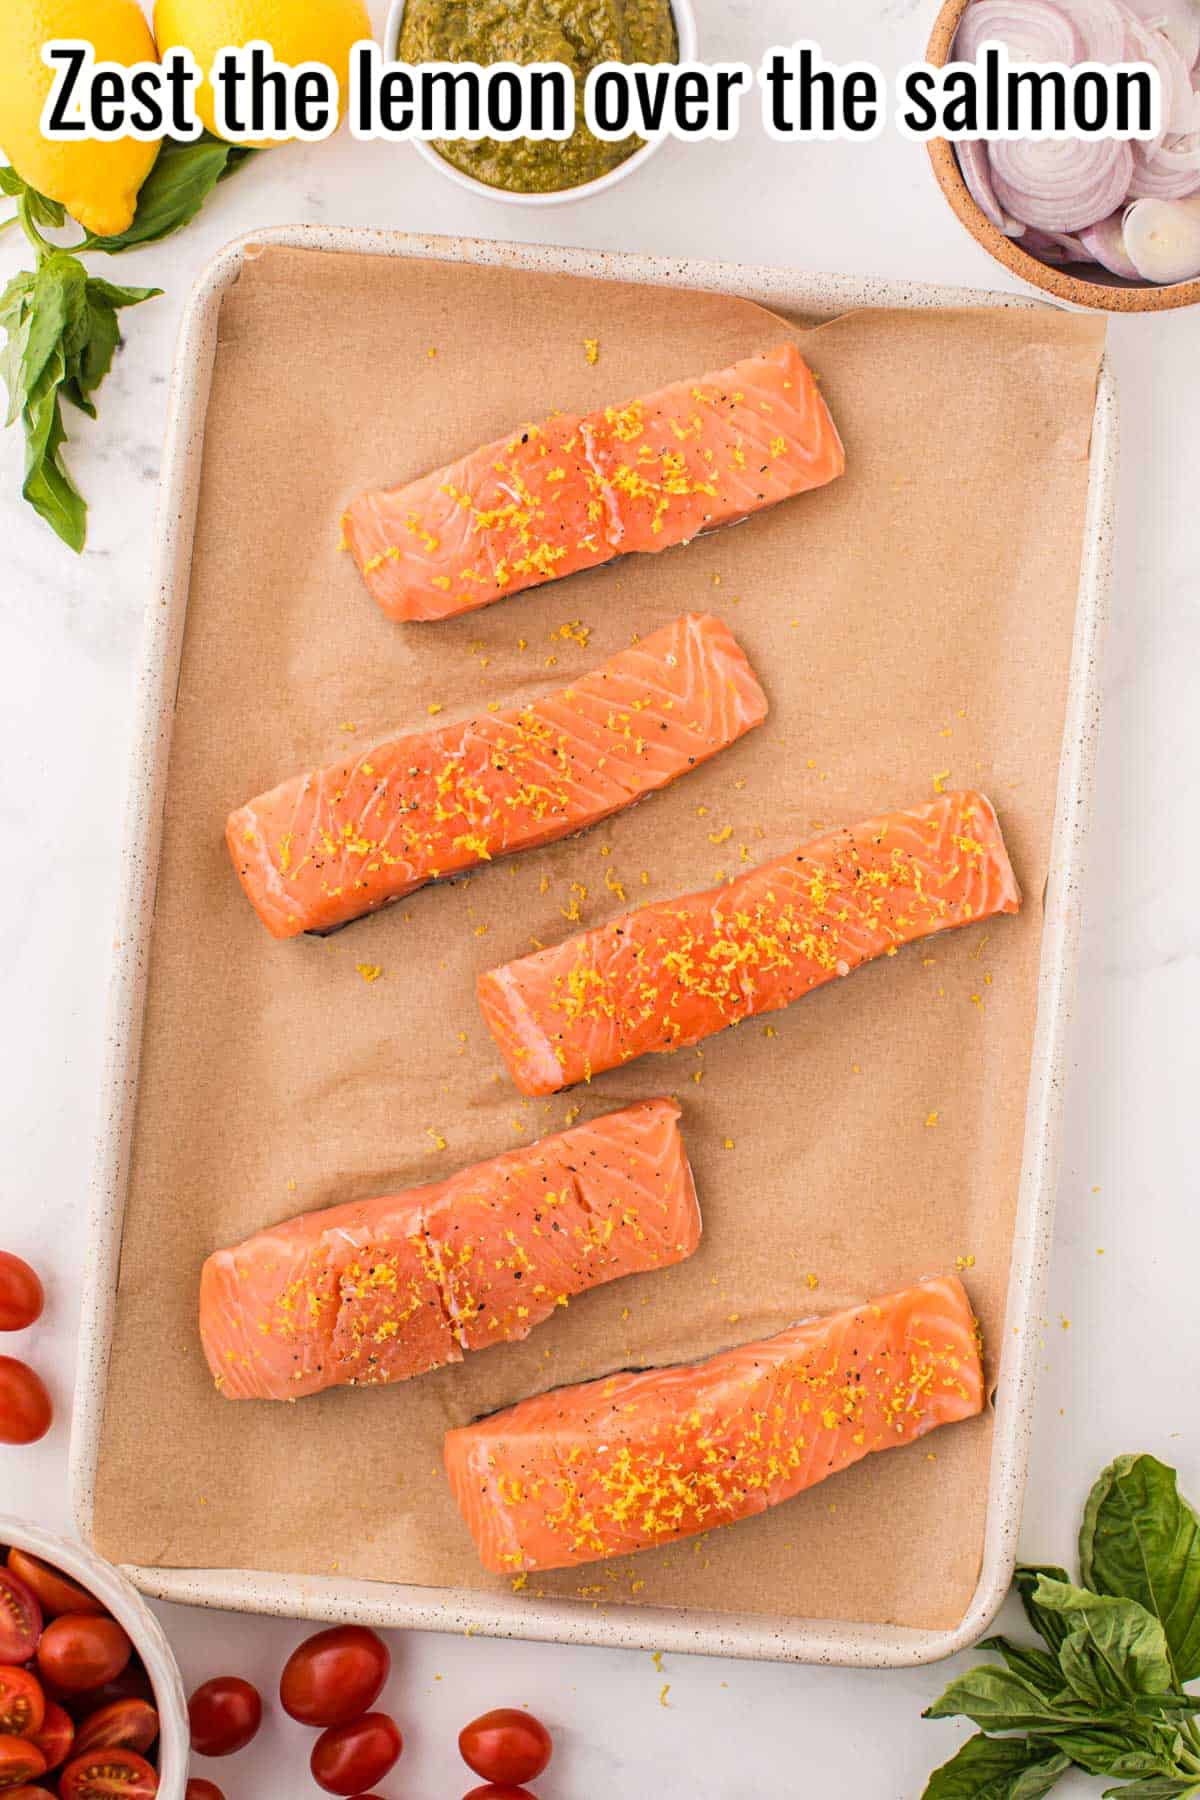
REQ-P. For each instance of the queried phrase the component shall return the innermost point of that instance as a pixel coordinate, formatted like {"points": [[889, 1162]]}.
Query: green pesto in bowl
{"points": [[579, 33]]}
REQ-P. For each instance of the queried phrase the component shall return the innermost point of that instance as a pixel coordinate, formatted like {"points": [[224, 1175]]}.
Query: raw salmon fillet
{"points": [[381, 1290], [576, 491], [338, 842], [676, 972], [640, 1460]]}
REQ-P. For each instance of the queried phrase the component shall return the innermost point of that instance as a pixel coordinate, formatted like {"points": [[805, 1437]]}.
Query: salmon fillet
{"points": [[575, 491], [381, 1290], [341, 841], [641, 1460], [675, 972]]}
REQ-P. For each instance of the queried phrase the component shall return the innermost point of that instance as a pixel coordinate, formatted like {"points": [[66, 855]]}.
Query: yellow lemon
{"points": [[297, 30], [97, 182]]}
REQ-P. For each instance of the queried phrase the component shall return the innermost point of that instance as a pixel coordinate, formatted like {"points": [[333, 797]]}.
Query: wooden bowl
{"points": [[1082, 284]]}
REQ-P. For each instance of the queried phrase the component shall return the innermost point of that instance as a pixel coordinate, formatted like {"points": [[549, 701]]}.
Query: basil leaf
{"points": [[997, 1769], [1114, 1648], [55, 304], [87, 369], [47, 485], [10, 182], [1158, 1787], [183, 176], [998, 1700], [16, 317], [1140, 1539], [1037, 1667], [1107, 1749], [1047, 1625]]}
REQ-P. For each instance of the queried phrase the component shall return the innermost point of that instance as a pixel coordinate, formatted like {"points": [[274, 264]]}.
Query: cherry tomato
{"points": [[26, 1412], [121, 1725], [22, 1703], [27, 1793], [20, 1761], [21, 1295], [494, 1792], [56, 1591], [348, 1758], [335, 1676], [78, 1651], [506, 1745], [108, 1775], [20, 1619], [132, 1683], [225, 1713], [56, 1736], [199, 1789]]}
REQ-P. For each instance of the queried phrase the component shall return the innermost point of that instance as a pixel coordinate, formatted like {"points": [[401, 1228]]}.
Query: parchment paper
{"points": [[910, 621]]}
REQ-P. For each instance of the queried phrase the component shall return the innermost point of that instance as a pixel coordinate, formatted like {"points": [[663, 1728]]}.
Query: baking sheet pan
{"points": [[552, 1615]]}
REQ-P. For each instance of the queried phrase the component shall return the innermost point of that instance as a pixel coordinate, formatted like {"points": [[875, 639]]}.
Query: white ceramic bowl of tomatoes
{"points": [[91, 1701]]}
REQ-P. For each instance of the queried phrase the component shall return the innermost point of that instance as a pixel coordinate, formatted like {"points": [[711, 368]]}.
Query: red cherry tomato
{"points": [[27, 1793], [56, 1736], [506, 1745], [56, 1591], [22, 1703], [494, 1792], [20, 1761], [132, 1683], [21, 1295], [225, 1713], [80, 1651], [121, 1725], [348, 1758], [26, 1412], [199, 1789], [108, 1775], [20, 1619], [335, 1676]]}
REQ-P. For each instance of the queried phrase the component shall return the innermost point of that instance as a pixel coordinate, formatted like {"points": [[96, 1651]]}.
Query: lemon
{"points": [[297, 30], [97, 182]]}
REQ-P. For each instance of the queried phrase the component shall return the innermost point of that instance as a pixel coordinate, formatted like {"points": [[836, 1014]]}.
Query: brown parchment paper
{"points": [[913, 619]]}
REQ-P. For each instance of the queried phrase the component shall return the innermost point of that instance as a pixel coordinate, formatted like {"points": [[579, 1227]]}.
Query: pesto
{"points": [[579, 33]]}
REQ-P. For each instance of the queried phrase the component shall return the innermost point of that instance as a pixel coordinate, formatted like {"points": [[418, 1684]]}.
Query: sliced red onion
{"points": [[1054, 246], [1060, 184], [1099, 26], [1163, 239], [977, 173], [1178, 100], [1166, 171], [1032, 31], [1105, 244], [1177, 20]]}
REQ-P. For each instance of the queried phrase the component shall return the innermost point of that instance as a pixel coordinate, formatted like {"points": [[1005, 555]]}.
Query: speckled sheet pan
{"points": [[935, 614]]}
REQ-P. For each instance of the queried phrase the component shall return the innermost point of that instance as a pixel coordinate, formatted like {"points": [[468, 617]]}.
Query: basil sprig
{"points": [[1106, 1690], [60, 324]]}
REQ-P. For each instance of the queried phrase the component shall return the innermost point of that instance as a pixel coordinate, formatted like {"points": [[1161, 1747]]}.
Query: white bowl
{"points": [[685, 26], [130, 1610]]}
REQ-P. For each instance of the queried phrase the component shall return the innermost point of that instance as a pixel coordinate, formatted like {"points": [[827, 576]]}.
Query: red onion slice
{"points": [[1105, 244], [1163, 239], [1166, 171], [1099, 26], [1060, 184], [1178, 101], [1177, 20], [1054, 246], [977, 173], [1032, 30]]}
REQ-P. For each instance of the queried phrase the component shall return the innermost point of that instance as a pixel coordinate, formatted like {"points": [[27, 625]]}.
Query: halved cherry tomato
{"points": [[132, 1683], [494, 1792], [108, 1775], [21, 1293], [506, 1745], [199, 1789], [26, 1412], [27, 1793], [224, 1714], [20, 1619], [22, 1703], [20, 1762], [56, 1736], [121, 1725], [335, 1676], [348, 1758], [56, 1591], [80, 1651]]}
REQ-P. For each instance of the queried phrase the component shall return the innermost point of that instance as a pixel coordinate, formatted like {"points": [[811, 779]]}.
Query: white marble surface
{"points": [[1121, 1376]]}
